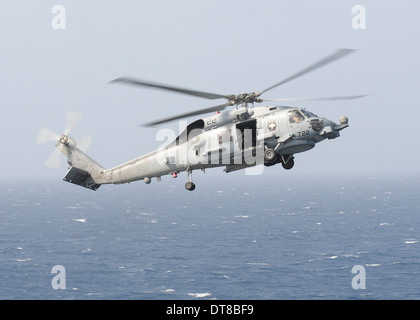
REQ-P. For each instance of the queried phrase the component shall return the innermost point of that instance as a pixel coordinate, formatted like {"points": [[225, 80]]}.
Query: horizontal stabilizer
{"points": [[81, 178]]}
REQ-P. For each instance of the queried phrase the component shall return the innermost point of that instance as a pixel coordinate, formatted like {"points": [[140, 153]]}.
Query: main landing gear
{"points": [[270, 155], [271, 158], [289, 164], [189, 185]]}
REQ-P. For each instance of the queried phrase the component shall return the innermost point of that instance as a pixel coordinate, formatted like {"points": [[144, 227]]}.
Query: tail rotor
{"points": [[47, 135]]}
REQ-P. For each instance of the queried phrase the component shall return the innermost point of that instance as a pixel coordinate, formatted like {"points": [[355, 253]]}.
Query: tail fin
{"points": [[81, 178], [84, 171]]}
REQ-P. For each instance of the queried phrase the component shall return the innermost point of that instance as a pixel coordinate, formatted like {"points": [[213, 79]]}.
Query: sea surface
{"points": [[272, 236]]}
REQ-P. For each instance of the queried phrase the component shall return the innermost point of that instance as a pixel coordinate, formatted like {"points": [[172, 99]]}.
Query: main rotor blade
{"points": [[201, 94], [188, 114], [327, 60], [319, 99]]}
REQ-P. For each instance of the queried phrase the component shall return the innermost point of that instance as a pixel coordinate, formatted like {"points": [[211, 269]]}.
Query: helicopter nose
{"points": [[328, 131], [344, 120], [331, 130], [344, 123]]}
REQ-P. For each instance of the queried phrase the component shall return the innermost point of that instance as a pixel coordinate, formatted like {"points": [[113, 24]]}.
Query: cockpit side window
{"points": [[295, 116]]}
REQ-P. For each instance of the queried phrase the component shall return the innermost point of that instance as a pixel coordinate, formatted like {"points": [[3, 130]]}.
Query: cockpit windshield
{"points": [[307, 113], [295, 116]]}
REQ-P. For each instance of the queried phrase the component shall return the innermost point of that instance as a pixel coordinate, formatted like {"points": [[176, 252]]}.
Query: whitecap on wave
{"points": [[168, 290], [384, 224], [146, 213], [199, 295]]}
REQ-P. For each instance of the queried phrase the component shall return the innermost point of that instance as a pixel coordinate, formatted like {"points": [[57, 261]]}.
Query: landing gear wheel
{"points": [[289, 164], [270, 155], [190, 186]]}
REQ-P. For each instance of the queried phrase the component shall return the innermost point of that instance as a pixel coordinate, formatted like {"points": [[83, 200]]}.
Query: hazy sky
{"points": [[218, 46]]}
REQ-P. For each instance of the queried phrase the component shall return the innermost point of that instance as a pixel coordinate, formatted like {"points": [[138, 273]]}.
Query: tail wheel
{"points": [[190, 186]]}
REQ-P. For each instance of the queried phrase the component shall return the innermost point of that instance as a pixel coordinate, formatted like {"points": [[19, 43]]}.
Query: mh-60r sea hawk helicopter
{"points": [[237, 139]]}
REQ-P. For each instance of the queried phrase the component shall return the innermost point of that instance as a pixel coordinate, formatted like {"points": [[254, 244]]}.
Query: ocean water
{"points": [[273, 236]]}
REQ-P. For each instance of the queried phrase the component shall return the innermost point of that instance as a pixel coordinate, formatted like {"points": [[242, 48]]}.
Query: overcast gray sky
{"points": [[217, 46]]}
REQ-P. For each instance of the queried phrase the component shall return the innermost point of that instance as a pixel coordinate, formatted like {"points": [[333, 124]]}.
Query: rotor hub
{"points": [[64, 139], [244, 98]]}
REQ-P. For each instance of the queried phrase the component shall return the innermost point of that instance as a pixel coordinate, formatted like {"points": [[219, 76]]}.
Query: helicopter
{"points": [[243, 137]]}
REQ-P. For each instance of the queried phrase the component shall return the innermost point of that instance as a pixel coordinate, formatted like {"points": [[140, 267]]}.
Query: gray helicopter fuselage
{"points": [[220, 140]]}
